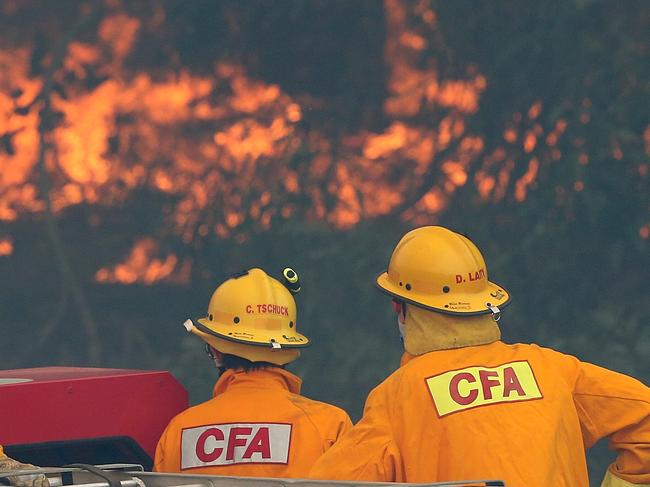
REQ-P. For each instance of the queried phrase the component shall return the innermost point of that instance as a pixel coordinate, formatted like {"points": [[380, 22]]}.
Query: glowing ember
{"points": [[617, 153], [455, 172], [529, 142], [644, 231], [510, 135], [393, 139], [535, 110], [526, 180], [485, 185], [6, 246]]}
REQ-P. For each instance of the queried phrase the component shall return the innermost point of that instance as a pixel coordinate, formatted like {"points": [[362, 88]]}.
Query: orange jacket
{"points": [[520, 413], [256, 425]]}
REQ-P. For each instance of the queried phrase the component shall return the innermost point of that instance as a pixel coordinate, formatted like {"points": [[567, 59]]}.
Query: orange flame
{"points": [[134, 117], [225, 141], [142, 266]]}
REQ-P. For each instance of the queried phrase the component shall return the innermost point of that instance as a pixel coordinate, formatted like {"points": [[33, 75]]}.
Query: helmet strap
{"points": [[496, 312], [400, 309], [215, 355]]}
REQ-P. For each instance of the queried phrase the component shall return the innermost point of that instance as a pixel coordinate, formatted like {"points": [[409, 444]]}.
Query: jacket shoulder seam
{"points": [[612, 397]]}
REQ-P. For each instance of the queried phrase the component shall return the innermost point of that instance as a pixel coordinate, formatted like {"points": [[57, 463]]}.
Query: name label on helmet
{"points": [[232, 444], [459, 390], [274, 309], [471, 276]]}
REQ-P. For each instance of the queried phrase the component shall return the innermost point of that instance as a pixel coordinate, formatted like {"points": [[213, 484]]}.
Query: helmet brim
{"points": [[259, 338], [460, 304], [275, 356]]}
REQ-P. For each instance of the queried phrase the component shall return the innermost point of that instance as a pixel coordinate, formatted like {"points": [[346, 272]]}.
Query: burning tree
{"points": [[166, 142]]}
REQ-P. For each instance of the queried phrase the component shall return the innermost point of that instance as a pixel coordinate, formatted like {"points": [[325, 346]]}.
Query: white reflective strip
{"points": [[13, 381], [235, 443]]}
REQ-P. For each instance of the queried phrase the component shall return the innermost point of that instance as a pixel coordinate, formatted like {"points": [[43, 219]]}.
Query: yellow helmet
{"points": [[253, 316], [437, 269]]}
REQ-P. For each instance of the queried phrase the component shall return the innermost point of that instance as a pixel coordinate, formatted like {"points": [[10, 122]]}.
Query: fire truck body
{"points": [[61, 415], [57, 416]]}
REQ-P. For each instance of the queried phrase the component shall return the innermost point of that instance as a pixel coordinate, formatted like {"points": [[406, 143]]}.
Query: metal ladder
{"points": [[128, 475]]}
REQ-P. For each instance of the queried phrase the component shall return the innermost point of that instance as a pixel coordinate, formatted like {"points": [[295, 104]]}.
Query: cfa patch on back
{"points": [[459, 390], [235, 443]]}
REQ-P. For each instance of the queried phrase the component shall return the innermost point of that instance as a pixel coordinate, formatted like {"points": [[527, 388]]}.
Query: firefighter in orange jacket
{"points": [[257, 424], [466, 405]]}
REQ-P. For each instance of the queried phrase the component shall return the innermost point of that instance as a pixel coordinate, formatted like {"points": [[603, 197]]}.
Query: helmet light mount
{"points": [[291, 280]]}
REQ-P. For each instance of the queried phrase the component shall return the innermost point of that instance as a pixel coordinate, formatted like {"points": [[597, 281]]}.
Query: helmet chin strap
{"points": [[496, 312], [218, 363], [400, 309], [217, 358], [400, 326]]}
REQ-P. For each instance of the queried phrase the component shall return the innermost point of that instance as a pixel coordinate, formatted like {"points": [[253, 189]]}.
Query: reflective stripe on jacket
{"points": [[520, 413], [256, 424]]}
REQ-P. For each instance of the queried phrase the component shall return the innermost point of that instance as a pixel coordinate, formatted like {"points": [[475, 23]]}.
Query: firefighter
{"points": [[465, 405], [257, 423], [8, 465]]}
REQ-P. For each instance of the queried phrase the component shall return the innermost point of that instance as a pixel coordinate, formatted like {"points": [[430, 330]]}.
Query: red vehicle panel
{"points": [[69, 403]]}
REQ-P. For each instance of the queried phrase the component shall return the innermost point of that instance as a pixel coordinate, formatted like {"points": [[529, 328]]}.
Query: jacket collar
{"points": [[426, 331], [270, 378]]}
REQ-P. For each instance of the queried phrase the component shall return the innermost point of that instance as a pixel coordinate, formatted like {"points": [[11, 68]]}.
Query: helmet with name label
{"points": [[252, 315], [443, 271]]}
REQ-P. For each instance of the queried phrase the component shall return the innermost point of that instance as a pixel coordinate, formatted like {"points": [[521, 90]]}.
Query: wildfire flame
{"points": [[143, 266], [221, 146]]}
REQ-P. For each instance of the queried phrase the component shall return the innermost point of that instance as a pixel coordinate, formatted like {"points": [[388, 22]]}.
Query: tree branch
{"points": [[427, 181], [54, 235]]}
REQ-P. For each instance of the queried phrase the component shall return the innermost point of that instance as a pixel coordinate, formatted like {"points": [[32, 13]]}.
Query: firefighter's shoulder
{"points": [[193, 414], [322, 412]]}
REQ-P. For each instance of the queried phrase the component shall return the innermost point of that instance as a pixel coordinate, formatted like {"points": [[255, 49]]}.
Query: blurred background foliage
{"points": [[184, 141]]}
